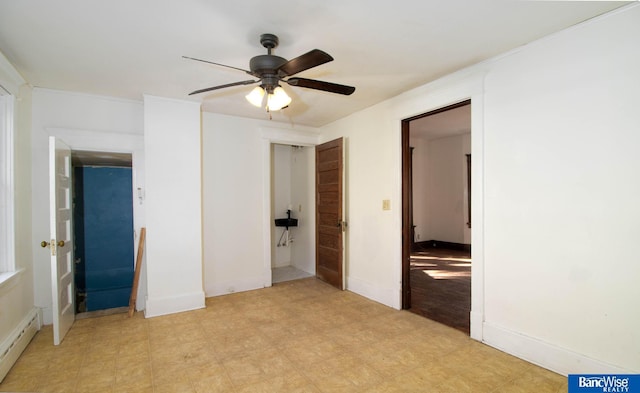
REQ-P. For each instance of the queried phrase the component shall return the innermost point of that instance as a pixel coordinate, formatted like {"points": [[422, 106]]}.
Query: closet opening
{"points": [[103, 232], [292, 212]]}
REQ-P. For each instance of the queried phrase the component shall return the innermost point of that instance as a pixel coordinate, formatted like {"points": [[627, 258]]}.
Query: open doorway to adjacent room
{"points": [[437, 215]]}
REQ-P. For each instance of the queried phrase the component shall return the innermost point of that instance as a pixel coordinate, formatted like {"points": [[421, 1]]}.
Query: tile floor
{"points": [[299, 336], [287, 273]]}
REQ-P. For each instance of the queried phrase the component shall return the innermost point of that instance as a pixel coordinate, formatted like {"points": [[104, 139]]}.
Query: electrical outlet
{"points": [[386, 204]]}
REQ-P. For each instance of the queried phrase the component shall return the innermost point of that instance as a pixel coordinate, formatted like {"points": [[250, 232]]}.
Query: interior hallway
{"points": [[302, 336]]}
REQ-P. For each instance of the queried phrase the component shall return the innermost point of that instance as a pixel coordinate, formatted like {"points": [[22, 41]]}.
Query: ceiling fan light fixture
{"points": [[256, 96], [278, 100], [270, 70]]}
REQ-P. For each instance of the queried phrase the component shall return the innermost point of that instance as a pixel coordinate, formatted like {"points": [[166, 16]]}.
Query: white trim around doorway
{"points": [[285, 137]]}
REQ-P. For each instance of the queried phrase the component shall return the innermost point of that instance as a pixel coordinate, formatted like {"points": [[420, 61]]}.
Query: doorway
{"points": [[436, 161], [103, 230], [291, 212]]}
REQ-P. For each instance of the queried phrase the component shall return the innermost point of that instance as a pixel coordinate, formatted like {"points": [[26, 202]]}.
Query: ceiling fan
{"points": [[271, 70]]}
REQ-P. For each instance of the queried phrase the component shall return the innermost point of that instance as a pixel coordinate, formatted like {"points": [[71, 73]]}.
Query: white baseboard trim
{"points": [[241, 285], [551, 357], [387, 296], [173, 304], [17, 341]]}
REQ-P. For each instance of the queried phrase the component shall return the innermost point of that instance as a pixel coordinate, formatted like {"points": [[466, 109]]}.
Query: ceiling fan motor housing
{"points": [[271, 70], [266, 64], [266, 67]]}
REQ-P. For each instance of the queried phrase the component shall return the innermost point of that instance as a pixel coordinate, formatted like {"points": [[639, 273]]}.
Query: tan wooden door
{"points": [[329, 220]]}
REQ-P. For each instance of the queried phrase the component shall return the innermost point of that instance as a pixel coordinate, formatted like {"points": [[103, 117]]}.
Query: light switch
{"points": [[386, 204]]}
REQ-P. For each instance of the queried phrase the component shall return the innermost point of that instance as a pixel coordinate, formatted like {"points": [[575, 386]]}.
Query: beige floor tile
{"points": [[94, 384], [138, 373], [171, 372], [327, 381], [211, 369], [241, 341], [57, 376], [314, 349], [57, 387], [343, 372], [180, 350], [31, 364], [19, 383], [174, 387], [407, 382], [216, 384], [227, 324], [142, 385], [140, 348], [536, 380], [301, 336], [286, 383], [251, 368], [391, 361]]}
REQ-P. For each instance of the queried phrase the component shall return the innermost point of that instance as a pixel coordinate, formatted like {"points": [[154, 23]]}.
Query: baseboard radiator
{"points": [[17, 341]]}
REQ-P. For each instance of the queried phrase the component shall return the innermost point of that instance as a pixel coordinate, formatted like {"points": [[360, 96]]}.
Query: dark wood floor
{"points": [[441, 286]]}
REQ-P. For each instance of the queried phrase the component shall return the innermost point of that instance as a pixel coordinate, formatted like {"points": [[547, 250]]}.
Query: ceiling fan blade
{"points": [[218, 64], [321, 85], [223, 86], [308, 60]]}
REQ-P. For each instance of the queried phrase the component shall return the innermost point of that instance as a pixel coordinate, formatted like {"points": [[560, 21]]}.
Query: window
{"points": [[7, 252]]}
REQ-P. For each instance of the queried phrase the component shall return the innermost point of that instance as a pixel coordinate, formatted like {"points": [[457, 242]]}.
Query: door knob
{"points": [[44, 244], [61, 243]]}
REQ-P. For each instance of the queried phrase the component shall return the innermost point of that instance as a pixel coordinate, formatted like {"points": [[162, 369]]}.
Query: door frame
{"points": [[269, 137], [477, 203], [114, 142]]}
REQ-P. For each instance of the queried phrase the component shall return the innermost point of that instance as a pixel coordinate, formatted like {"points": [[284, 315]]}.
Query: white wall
{"points": [[555, 185], [371, 165], [561, 205], [16, 294], [84, 122], [237, 218], [172, 140], [439, 197]]}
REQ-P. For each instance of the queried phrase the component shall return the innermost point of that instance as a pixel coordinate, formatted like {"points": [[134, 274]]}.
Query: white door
{"points": [[61, 238]]}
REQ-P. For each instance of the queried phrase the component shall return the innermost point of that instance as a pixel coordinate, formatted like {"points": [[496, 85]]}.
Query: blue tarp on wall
{"points": [[104, 235]]}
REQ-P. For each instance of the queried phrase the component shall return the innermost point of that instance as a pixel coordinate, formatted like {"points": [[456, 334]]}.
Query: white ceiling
{"points": [[127, 48]]}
